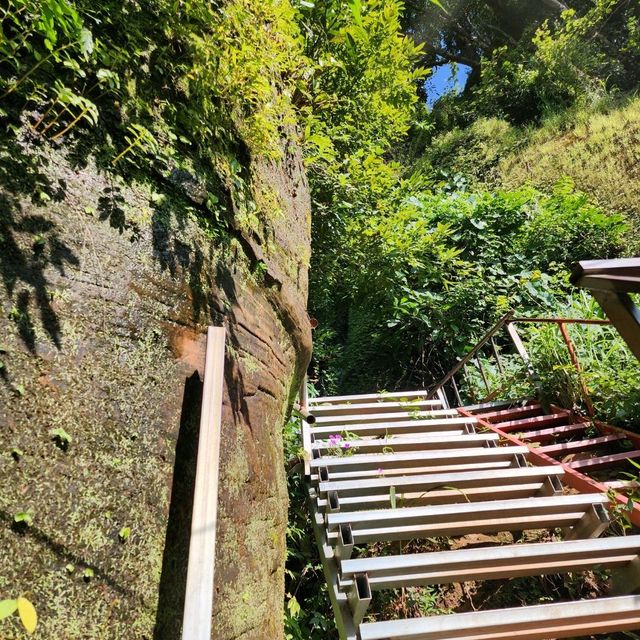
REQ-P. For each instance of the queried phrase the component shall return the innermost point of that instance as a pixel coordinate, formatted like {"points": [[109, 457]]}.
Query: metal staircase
{"points": [[402, 466]]}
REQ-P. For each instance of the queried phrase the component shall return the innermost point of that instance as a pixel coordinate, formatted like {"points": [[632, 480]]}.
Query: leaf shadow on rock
{"points": [[29, 244]]}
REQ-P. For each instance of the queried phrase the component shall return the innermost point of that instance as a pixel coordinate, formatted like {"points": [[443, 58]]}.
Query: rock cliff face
{"points": [[106, 289]]}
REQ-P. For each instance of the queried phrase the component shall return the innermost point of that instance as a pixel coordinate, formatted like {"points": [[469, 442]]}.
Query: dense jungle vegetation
{"points": [[428, 223]]}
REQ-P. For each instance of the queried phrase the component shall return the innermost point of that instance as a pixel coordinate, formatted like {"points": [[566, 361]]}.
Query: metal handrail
{"points": [[469, 356], [618, 268], [510, 321], [610, 283], [198, 602], [563, 320]]}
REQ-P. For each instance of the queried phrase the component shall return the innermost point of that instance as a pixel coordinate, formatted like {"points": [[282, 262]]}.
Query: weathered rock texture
{"points": [[106, 290]]}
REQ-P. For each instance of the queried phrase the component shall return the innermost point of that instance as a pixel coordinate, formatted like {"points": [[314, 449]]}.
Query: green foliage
{"points": [[23, 518], [574, 58], [472, 152], [430, 271], [61, 438], [363, 103], [124, 534], [568, 228], [164, 77], [308, 614], [571, 61], [7, 608], [26, 612], [598, 149], [364, 79], [610, 371]]}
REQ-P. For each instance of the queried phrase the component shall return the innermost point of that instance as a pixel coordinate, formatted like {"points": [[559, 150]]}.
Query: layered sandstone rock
{"points": [[106, 290]]}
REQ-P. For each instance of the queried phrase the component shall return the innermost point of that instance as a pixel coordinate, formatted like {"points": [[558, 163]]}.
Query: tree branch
{"points": [[555, 5], [452, 57]]}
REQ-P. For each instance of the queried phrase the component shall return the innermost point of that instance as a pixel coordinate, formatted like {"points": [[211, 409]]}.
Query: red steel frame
{"points": [[575, 479]]}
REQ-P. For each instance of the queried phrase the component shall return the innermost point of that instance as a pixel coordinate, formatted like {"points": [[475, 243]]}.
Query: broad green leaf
{"points": [[294, 607], [392, 497], [86, 42], [356, 11], [28, 615], [7, 607], [24, 517]]}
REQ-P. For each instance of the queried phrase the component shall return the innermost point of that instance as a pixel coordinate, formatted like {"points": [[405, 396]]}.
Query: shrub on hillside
{"points": [[428, 276]]}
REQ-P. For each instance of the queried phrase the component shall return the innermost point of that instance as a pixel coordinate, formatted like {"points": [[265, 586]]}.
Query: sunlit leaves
{"points": [[28, 615], [7, 608], [215, 76], [86, 42], [26, 612], [124, 534], [424, 273], [356, 11], [293, 606], [139, 142]]}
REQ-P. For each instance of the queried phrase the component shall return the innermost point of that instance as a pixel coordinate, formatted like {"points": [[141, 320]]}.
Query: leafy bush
{"points": [[308, 614], [573, 59], [195, 75], [598, 150], [472, 152], [430, 272], [609, 369], [565, 63], [364, 82], [568, 228]]}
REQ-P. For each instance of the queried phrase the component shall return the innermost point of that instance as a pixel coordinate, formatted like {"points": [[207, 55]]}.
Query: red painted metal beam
{"points": [[605, 461], [575, 479], [543, 435], [608, 429], [564, 448], [534, 421], [502, 415]]}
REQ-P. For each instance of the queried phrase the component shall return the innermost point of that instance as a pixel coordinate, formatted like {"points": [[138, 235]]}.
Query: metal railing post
{"points": [[578, 368], [472, 354], [198, 602]]}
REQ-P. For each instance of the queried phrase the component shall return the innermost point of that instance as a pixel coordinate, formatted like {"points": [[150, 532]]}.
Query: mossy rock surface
{"points": [[106, 288]]}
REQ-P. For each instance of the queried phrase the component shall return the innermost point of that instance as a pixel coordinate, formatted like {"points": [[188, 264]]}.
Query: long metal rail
{"points": [[611, 282], [198, 602], [372, 478], [583, 445]]}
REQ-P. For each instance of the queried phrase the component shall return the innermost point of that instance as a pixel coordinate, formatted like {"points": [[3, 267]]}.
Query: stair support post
{"points": [[592, 524], [344, 548], [550, 487], [626, 580], [359, 597]]}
